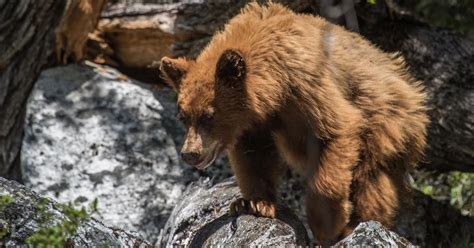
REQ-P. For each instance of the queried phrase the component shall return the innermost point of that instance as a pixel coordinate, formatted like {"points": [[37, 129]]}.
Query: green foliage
{"points": [[372, 1], [4, 229], [453, 14], [94, 206], [454, 187], [5, 200], [57, 235], [462, 185]]}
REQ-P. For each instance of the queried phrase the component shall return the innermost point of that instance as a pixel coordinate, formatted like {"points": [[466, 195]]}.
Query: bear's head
{"points": [[212, 103]]}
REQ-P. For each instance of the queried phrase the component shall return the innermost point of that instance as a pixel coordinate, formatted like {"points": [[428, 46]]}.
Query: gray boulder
{"points": [[91, 133], [201, 219], [23, 216], [373, 234]]}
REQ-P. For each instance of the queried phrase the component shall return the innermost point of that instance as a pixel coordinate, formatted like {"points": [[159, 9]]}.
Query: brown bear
{"points": [[278, 89]]}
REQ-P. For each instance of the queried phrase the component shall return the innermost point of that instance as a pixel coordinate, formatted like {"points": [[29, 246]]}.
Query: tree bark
{"points": [[26, 46], [441, 59], [28, 30]]}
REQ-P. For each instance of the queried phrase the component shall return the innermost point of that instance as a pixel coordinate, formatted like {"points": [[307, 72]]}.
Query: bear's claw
{"points": [[260, 208]]}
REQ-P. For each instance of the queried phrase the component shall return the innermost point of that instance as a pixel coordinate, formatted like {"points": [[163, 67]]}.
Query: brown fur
{"points": [[289, 89]]}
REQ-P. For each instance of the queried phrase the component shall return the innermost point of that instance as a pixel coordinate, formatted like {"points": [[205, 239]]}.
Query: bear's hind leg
{"points": [[327, 200], [258, 168], [376, 195], [327, 217]]}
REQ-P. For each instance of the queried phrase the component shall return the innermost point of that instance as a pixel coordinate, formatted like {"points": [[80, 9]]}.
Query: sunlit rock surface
{"points": [[373, 234], [91, 133]]}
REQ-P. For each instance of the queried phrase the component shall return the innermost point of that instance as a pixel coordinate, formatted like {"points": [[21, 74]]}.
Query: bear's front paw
{"points": [[256, 207]]}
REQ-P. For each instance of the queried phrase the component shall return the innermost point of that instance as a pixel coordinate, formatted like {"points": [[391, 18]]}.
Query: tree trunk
{"points": [[26, 46], [28, 30], [132, 39]]}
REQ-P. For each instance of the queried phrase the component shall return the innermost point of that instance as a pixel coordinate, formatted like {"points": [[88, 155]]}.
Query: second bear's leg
{"points": [[258, 168], [328, 205]]}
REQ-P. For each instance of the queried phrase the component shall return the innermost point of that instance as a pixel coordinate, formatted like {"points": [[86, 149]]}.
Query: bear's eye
{"points": [[182, 117], [206, 119]]}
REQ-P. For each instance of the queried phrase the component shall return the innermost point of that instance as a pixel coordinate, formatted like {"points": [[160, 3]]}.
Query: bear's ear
{"points": [[231, 69], [173, 71]]}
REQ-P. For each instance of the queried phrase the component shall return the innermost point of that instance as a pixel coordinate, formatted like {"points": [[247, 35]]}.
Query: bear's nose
{"points": [[191, 158]]}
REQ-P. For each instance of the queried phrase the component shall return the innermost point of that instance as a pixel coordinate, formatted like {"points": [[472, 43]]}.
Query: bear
{"points": [[278, 90]]}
